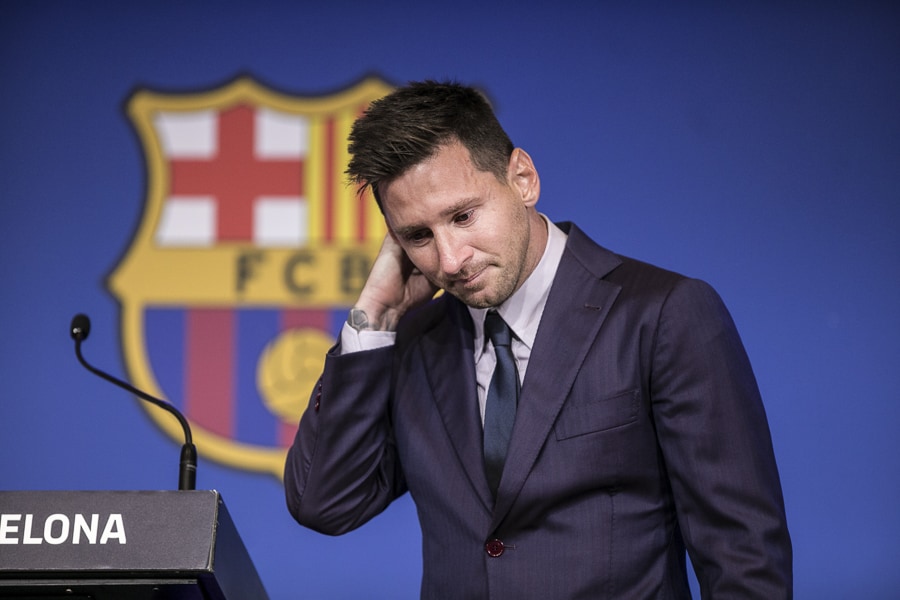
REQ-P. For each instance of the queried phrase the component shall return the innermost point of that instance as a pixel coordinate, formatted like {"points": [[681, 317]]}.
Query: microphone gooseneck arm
{"points": [[187, 473]]}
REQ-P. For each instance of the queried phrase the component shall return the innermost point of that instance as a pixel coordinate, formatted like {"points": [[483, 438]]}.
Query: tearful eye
{"points": [[464, 217], [418, 237]]}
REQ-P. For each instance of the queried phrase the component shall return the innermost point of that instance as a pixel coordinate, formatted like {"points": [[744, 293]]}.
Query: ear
{"points": [[524, 177]]}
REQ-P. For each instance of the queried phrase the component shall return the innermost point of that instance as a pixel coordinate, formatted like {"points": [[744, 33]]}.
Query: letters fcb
{"points": [[250, 250]]}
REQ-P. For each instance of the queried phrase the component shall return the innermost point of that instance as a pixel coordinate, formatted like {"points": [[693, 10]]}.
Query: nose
{"points": [[453, 252]]}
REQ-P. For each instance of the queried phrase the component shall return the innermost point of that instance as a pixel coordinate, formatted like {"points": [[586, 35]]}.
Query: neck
{"points": [[537, 241]]}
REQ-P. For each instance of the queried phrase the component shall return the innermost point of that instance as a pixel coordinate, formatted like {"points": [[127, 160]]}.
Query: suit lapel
{"points": [[448, 356], [576, 308]]}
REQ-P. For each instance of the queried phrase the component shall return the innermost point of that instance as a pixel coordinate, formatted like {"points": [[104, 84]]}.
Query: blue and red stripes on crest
{"points": [[205, 361]]}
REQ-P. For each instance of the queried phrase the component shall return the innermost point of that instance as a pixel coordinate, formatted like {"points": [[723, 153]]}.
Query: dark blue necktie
{"points": [[503, 395]]}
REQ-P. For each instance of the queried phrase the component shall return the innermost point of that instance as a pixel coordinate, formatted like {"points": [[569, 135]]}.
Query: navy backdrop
{"points": [[754, 146]]}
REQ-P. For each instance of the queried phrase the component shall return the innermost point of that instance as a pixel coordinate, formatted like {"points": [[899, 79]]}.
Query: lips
{"points": [[467, 281]]}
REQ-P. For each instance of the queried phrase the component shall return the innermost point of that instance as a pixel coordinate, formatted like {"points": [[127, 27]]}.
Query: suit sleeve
{"points": [[342, 468], [716, 444]]}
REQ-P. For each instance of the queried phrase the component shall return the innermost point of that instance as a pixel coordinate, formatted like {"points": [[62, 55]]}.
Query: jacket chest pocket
{"points": [[591, 416]]}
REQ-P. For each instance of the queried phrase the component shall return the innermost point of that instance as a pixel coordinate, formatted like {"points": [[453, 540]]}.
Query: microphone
{"points": [[187, 473]]}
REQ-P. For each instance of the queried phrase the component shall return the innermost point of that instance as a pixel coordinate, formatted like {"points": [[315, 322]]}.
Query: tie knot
{"points": [[496, 329]]}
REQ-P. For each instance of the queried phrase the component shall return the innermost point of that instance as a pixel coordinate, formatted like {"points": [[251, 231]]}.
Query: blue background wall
{"points": [[754, 146]]}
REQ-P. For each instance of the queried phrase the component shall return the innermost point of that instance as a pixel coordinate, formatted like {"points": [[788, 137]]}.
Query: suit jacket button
{"points": [[494, 548]]}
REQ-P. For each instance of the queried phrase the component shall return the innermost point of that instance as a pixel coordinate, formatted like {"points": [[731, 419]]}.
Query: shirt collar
{"points": [[522, 311]]}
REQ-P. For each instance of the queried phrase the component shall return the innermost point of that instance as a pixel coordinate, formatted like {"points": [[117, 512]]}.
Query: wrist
{"points": [[358, 319], [362, 319]]}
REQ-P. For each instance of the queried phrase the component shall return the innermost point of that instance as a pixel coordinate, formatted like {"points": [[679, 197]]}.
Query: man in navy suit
{"points": [[636, 432]]}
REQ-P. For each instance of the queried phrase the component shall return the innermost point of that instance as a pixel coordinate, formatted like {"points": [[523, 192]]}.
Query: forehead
{"points": [[451, 160], [445, 180]]}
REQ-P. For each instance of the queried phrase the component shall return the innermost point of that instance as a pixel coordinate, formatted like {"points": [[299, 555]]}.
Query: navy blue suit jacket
{"points": [[640, 432]]}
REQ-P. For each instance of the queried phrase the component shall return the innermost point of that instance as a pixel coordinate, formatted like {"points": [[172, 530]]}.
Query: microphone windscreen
{"points": [[81, 327]]}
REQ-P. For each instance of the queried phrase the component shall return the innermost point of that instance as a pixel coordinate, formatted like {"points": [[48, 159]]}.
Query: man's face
{"points": [[466, 231]]}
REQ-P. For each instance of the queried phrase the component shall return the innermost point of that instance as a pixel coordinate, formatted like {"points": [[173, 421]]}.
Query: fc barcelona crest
{"points": [[250, 251]]}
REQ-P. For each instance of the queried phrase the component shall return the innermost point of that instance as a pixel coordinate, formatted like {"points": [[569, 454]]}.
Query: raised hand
{"points": [[394, 286]]}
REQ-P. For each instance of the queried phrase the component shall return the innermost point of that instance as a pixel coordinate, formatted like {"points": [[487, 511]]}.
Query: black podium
{"points": [[122, 546]]}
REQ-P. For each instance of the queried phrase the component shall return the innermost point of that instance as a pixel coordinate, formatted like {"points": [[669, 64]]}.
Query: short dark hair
{"points": [[413, 122]]}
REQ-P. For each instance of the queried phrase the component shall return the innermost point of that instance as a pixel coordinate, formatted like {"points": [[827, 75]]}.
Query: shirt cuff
{"points": [[357, 341]]}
